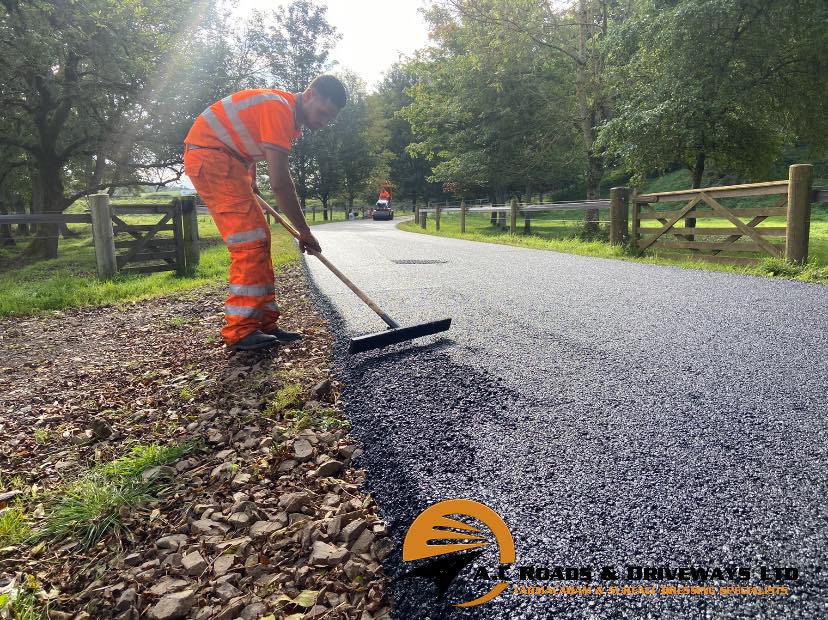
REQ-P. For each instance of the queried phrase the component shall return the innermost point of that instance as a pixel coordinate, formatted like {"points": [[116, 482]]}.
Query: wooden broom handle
{"points": [[357, 291]]}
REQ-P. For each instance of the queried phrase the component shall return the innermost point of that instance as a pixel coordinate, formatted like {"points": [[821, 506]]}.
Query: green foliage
{"points": [[716, 81], [323, 418], [90, 507], [41, 436], [26, 606], [88, 82], [14, 527], [490, 111]]}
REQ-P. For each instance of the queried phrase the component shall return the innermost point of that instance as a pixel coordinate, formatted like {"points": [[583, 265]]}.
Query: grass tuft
{"points": [[323, 418], [14, 527], [142, 457], [92, 505], [41, 436], [287, 397]]}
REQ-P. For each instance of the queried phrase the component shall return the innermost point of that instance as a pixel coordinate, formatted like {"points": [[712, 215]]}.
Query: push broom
{"points": [[394, 333]]}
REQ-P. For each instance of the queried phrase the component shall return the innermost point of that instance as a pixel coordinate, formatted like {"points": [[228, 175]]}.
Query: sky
{"points": [[365, 48]]}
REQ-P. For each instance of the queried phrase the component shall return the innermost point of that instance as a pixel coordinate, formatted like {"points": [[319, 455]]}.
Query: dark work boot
{"points": [[284, 337], [254, 341]]}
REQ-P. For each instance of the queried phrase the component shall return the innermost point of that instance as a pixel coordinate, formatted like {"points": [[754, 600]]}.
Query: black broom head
{"points": [[400, 334]]}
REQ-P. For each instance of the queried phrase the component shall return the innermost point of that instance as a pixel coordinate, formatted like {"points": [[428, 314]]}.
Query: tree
{"points": [[488, 110], [357, 147], [76, 85], [298, 44], [328, 169], [572, 33], [718, 80], [408, 171]]}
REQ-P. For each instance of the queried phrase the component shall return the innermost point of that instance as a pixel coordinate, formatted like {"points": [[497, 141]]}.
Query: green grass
{"points": [[25, 606], [144, 456], [14, 527], [70, 281], [286, 397], [324, 418], [89, 507]]}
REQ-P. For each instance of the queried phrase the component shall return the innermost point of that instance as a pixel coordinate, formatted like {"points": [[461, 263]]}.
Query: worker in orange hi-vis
{"points": [[220, 155]]}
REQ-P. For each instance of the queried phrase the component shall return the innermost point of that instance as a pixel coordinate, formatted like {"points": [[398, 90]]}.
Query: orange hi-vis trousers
{"points": [[225, 185]]}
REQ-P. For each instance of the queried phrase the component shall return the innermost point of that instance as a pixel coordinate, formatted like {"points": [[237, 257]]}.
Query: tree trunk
{"points": [[6, 238], [698, 174], [16, 206], [589, 109], [47, 197]]}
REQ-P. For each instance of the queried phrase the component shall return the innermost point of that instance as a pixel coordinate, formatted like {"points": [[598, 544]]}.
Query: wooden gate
{"points": [[149, 246], [744, 238]]}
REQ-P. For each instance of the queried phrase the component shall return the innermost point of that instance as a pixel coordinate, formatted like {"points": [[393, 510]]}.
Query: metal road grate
{"points": [[419, 261]]}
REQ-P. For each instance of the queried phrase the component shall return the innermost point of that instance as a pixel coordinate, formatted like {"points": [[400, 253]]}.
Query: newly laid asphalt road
{"points": [[612, 413]]}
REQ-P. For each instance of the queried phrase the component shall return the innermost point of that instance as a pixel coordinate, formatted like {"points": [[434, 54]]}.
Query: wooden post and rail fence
{"points": [[711, 243]]}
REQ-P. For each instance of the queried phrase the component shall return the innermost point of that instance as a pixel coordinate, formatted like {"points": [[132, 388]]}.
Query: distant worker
{"points": [[385, 194], [220, 155]]}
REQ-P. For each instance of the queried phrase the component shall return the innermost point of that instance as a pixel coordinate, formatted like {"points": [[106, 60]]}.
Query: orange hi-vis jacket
{"points": [[247, 122]]}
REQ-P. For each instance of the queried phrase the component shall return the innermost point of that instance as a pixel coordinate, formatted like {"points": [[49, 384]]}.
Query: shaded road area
{"points": [[614, 414]]}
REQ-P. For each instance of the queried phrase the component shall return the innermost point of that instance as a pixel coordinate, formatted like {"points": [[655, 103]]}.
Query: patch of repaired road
{"points": [[614, 414]]}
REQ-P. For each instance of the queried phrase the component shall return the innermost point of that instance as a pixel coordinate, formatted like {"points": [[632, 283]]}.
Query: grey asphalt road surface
{"points": [[614, 414]]}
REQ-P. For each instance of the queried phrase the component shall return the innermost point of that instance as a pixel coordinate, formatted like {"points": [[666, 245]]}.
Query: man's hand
{"points": [[308, 242]]}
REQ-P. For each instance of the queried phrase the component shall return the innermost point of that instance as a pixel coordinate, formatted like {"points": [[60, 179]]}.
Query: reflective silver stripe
{"points": [[271, 305], [247, 140], [256, 234], [252, 290], [244, 311], [246, 103], [219, 129]]}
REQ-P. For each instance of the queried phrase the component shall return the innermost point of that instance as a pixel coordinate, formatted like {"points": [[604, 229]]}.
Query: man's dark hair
{"points": [[330, 88]]}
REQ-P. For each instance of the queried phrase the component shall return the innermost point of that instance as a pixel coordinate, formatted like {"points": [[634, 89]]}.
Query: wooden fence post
{"points": [[636, 211], [462, 216], [437, 210], [619, 215], [423, 216], [178, 234], [527, 222], [103, 236], [192, 253], [416, 214], [513, 212], [799, 212]]}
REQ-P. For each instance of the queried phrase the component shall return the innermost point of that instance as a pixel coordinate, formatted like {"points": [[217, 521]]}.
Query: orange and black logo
{"points": [[451, 544]]}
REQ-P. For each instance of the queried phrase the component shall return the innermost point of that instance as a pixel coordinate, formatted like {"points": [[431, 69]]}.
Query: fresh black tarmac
{"points": [[614, 414]]}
